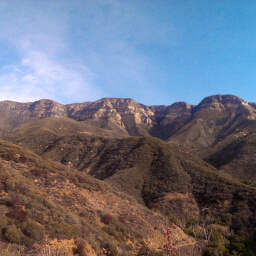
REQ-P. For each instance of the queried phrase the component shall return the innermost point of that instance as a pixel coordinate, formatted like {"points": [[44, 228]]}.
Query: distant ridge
{"points": [[218, 122]]}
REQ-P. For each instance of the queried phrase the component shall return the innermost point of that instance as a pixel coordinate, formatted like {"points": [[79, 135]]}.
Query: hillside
{"points": [[194, 165], [42, 201], [158, 175], [39, 135], [161, 177], [222, 131]]}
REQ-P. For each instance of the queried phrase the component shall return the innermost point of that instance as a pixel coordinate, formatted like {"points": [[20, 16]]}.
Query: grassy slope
{"points": [[42, 133]]}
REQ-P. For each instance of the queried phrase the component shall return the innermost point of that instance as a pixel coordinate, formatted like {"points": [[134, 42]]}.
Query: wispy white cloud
{"points": [[40, 77], [41, 71], [78, 50]]}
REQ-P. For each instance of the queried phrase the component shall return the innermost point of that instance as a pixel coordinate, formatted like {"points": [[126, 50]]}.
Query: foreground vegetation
{"points": [[47, 208]]}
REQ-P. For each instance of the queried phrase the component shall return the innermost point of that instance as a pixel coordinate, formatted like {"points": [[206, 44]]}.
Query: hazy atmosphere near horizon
{"points": [[156, 52]]}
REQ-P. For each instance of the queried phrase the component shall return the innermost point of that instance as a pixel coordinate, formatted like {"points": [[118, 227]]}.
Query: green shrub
{"points": [[226, 218], [71, 219], [3, 222], [14, 234], [217, 245], [33, 230], [10, 184], [111, 249], [62, 230]]}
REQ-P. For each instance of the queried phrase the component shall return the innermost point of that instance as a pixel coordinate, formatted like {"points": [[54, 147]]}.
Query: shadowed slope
{"points": [[158, 175]]}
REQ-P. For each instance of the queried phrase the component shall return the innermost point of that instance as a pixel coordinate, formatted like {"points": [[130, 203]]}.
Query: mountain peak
{"points": [[181, 104], [47, 108], [117, 102], [222, 99]]}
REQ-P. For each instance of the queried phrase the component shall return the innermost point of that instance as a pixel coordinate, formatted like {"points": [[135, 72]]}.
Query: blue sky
{"points": [[156, 52]]}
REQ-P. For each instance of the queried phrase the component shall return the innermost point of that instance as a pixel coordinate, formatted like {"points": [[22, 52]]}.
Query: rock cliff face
{"points": [[219, 106], [228, 104], [47, 108], [122, 115], [194, 126], [12, 114], [16, 115], [169, 119]]}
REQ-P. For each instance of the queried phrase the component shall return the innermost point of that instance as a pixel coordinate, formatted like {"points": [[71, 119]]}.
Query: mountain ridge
{"points": [[177, 160]]}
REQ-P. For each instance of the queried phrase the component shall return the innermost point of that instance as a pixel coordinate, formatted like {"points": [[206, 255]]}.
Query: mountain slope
{"points": [[14, 115], [235, 156], [41, 133], [111, 140], [123, 116], [214, 119], [158, 175], [222, 131], [42, 200], [218, 123]]}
